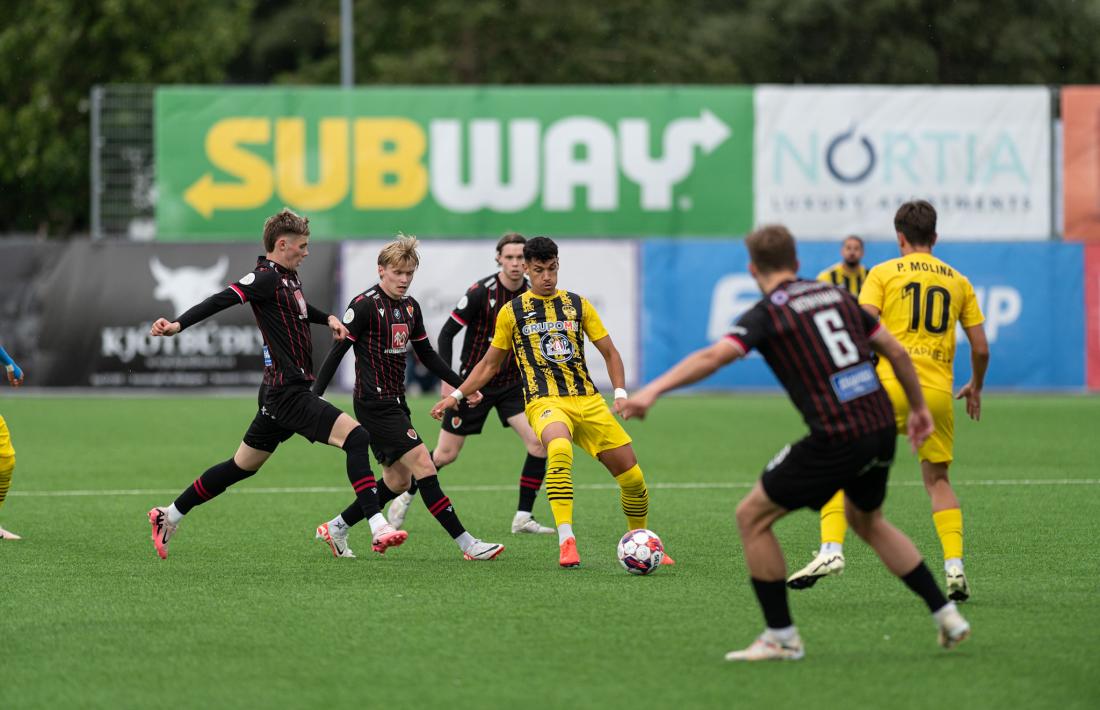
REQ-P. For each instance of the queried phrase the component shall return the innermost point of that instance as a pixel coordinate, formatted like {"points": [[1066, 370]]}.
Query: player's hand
{"points": [[339, 332], [973, 400], [474, 399], [162, 326], [635, 406], [443, 405], [15, 375], [445, 389], [919, 427]]}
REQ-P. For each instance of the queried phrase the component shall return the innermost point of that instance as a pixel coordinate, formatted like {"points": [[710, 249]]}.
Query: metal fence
{"points": [[122, 161]]}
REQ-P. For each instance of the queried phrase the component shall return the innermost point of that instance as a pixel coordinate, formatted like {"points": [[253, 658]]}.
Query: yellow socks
{"points": [[634, 496], [559, 480], [833, 524], [7, 466], [949, 526]]}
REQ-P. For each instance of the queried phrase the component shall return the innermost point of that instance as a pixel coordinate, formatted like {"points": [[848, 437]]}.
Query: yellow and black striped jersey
{"points": [[547, 336], [837, 275]]}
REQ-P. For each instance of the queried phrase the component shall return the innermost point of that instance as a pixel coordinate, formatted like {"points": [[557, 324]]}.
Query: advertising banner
{"points": [[1031, 295], [22, 264], [604, 272], [464, 161], [1081, 161], [100, 299], [835, 161], [1092, 314]]}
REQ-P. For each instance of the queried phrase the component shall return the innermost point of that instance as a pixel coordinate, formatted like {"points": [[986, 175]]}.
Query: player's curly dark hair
{"points": [[540, 249], [917, 221]]}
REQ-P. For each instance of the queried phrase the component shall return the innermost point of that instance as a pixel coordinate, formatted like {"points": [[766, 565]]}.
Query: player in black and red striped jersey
{"points": [[818, 342], [381, 322], [477, 312], [286, 405]]}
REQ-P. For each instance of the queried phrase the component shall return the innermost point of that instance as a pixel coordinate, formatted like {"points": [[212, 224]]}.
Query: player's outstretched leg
{"points": [[7, 468], [559, 491], [439, 505], [530, 481], [383, 535], [830, 558], [212, 483], [901, 557]]}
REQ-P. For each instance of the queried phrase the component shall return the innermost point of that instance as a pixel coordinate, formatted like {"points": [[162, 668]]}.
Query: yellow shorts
{"points": [[5, 440], [940, 447], [593, 426]]}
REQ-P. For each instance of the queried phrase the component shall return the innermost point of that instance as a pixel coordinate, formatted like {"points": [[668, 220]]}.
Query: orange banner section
{"points": [[1092, 315], [1081, 161]]}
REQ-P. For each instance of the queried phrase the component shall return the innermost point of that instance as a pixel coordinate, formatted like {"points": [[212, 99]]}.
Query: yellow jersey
{"points": [[547, 336], [920, 299], [837, 275]]}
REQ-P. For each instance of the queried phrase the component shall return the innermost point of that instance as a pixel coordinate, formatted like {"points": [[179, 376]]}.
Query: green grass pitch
{"points": [[249, 611]]}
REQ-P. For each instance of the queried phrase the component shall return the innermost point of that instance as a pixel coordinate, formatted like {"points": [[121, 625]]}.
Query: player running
{"points": [[477, 312], [7, 452], [920, 299], [286, 405], [545, 328], [381, 322], [818, 342]]}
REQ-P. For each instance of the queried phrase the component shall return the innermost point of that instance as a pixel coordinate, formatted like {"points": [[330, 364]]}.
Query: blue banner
{"points": [[1032, 295]]}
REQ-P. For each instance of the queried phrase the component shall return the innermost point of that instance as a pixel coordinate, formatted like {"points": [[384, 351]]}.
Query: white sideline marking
{"points": [[499, 488]]}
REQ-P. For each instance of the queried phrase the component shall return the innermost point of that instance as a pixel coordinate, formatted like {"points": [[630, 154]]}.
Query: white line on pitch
{"points": [[714, 485]]}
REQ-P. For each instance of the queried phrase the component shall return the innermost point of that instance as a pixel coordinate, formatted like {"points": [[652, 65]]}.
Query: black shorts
{"points": [[809, 472], [466, 420], [286, 411], [389, 423]]}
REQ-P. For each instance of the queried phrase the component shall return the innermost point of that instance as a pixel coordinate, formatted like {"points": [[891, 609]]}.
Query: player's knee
{"points": [[746, 515], [357, 441], [535, 448], [444, 455], [560, 449]]}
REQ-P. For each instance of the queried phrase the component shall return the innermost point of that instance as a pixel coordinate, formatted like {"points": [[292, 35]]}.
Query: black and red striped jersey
{"points": [[477, 312], [381, 329], [816, 339], [282, 314]]}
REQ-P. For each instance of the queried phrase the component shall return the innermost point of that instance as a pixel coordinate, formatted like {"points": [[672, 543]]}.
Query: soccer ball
{"points": [[641, 551]]}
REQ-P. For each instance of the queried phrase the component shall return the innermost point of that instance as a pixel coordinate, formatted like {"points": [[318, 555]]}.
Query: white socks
{"points": [[338, 525], [565, 531], [948, 608], [521, 516], [174, 515], [832, 548], [952, 562], [784, 635], [377, 522], [465, 540]]}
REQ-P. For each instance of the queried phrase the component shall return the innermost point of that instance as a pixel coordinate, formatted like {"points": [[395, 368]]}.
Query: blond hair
{"points": [[400, 251]]}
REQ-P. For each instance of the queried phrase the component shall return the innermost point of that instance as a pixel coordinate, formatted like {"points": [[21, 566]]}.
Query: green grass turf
{"points": [[250, 611]]}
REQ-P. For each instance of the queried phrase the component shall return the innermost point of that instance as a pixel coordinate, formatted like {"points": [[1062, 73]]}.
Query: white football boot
{"points": [[823, 565], [767, 647]]}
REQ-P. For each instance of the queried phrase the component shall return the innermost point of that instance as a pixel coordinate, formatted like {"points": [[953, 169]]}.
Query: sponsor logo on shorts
{"points": [[778, 458], [456, 422], [545, 414], [411, 433]]}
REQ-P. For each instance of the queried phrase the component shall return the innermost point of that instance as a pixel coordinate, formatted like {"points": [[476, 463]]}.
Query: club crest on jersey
{"points": [[411, 433], [303, 311], [779, 298], [399, 338], [569, 312], [557, 348], [409, 309], [396, 313], [456, 422]]}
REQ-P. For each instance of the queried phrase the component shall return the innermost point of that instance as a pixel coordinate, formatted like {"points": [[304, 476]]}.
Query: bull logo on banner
{"points": [[187, 285]]}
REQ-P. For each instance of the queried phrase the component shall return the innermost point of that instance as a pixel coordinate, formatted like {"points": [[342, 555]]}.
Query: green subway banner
{"points": [[592, 161]]}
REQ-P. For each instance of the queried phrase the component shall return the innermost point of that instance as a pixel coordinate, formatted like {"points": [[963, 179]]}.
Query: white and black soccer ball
{"points": [[641, 551]]}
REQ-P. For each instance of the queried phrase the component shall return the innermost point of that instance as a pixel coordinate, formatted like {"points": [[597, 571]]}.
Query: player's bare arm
{"points": [[616, 371], [919, 427], [979, 363], [478, 378], [697, 366]]}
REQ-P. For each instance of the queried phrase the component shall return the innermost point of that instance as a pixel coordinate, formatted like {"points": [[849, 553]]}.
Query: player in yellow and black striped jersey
{"points": [[848, 273], [545, 329]]}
